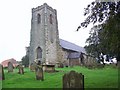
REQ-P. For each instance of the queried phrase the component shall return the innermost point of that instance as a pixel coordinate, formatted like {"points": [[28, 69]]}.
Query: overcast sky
{"points": [[15, 24]]}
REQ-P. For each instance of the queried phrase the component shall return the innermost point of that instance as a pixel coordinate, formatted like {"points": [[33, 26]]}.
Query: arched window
{"points": [[51, 17], [39, 53], [51, 36], [38, 18]]}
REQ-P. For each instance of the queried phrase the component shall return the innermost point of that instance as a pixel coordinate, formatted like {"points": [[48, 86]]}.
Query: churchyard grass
{"points": [[93, 78]]}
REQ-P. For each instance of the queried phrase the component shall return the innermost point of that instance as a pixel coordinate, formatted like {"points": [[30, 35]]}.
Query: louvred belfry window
{"points": [[38, 18], [51, 17]]}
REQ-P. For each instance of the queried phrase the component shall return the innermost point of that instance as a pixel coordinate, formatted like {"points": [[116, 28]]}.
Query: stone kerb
{"points": [[73, 80]]}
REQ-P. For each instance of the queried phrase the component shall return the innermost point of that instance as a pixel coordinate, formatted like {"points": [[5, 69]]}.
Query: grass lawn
{"points": [[93, 78]]}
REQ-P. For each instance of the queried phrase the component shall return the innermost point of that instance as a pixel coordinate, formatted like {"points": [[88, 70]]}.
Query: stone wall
{"points": [[89, 60], [74, 62], [44, 35]]}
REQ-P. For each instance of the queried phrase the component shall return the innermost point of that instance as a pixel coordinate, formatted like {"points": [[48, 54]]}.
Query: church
{"points": [[45, 44]]}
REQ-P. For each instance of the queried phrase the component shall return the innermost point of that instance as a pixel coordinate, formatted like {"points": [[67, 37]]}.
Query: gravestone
{"points": [[33, 66], [21, 69], [61, 65], [2, 77], [39, 72], [10, 67], [73, 80]]}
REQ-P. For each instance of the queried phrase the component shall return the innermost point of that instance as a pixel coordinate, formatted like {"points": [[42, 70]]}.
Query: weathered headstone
{"points": [[73, 80], [21, 69], [39, 72], [10, 67], [61, 65], [33, 66], [2, 77]]}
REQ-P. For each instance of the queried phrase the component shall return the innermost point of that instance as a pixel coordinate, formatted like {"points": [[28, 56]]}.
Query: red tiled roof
{"points": [[12, 60]]}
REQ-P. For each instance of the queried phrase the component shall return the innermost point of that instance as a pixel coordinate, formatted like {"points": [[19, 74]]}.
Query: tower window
{"points": [[51, 22], [39, 53], [38, 18]]}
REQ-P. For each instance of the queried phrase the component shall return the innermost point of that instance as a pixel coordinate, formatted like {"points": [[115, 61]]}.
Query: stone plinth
{"points": [[48, 68]]}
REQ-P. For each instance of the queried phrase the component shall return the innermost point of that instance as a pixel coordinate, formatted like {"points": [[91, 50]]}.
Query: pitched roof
{"points": [[71, 46], [12, 60]]}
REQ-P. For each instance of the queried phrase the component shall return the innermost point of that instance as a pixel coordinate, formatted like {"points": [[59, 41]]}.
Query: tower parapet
{"points": [[43, 6]]}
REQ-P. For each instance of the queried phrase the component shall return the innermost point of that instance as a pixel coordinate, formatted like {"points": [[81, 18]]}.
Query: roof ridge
{"points": [[71, 43], [71, 46]]}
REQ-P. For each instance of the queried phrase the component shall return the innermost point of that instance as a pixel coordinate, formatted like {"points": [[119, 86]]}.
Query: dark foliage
{"points": [[104, 37], [25, 61]]}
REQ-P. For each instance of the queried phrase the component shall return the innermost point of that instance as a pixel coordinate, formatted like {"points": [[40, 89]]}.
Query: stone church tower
{"points": [[44, 38]]}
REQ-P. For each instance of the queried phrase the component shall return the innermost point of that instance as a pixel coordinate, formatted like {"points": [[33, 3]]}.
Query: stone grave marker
{"points": [[60, 65], [21, 69], [73, 80], [2, 76], [10, 67], [33, 66], [39, 72]]}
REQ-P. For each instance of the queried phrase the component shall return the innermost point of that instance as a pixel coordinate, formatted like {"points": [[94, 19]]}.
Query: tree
{"points": [[110, 36], [100, 12], [107, 14], [25, 60], [93, 42]]}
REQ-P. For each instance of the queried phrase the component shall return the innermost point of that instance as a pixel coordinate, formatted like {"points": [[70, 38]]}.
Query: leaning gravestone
{"points": [[10, 67], [2, 77], [39, 72], [21, 69], [73, 80]]}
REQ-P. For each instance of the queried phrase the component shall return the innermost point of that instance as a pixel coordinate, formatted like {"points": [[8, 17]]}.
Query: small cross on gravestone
{"points": [[10, 67], [21, 69], [39, 72], [2, 77], [73, 80]]}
